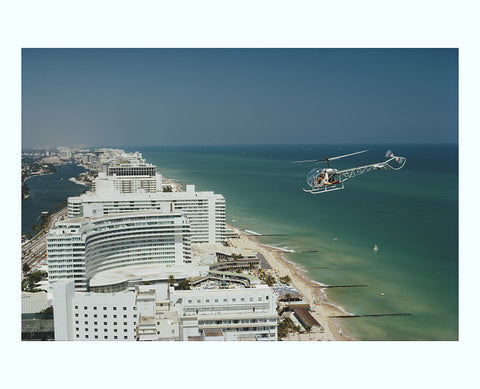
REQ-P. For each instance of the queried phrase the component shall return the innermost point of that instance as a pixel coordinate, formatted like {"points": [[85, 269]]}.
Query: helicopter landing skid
{"points": [[324, 189]]}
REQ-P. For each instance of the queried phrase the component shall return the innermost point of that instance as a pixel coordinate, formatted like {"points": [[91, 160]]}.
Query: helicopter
{"points": [[329, 179]]}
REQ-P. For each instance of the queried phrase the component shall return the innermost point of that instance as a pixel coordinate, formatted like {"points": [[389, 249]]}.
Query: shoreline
{"points": [[37, 175], [308, 288], [75, 181]]}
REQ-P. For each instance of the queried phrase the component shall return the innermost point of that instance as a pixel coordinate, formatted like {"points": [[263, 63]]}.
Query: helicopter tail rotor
{"points": [[389, 154], [400, 160]]}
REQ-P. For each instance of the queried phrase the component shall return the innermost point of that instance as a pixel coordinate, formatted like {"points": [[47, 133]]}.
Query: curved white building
{"points": [[79, 248]]}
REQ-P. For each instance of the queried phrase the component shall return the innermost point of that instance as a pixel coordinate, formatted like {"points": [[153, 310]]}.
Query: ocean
{"points": [[47, 192], [410, 214]]}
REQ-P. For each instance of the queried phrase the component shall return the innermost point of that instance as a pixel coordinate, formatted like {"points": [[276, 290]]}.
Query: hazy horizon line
{"points": [[36, 147]]}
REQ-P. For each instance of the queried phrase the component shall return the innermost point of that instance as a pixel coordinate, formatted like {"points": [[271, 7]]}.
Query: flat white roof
{"points": [[207, 248], [168, 196], [117, 215], [146, 272]]}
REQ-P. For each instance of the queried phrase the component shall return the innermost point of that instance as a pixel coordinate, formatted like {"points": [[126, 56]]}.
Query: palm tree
{"points": [[171, 279], [285, 279], [309, 330], [25, 268], [288, 297], [269, 279]]}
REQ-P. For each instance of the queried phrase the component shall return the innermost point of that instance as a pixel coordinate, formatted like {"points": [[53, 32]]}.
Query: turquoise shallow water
{"points": [[411, 214]]}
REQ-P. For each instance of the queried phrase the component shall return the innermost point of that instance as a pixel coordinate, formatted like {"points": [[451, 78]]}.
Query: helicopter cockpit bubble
{"points": [[312, 177]]}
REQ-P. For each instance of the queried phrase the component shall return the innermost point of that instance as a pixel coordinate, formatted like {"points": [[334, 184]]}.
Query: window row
{"points": [[104, 308], [105, 337], [241, 299], [96, 329]]}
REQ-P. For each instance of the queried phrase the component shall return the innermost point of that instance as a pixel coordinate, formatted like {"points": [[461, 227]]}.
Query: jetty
{"points": [[340, 286], [370, 315], [267, 234]]}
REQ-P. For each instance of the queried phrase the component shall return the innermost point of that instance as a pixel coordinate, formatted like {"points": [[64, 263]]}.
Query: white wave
{"points": [[253, 232], [339, 308], [285, 249]]}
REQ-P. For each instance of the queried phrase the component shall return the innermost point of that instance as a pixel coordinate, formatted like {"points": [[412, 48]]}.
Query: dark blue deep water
{"points": [[48, 191]]}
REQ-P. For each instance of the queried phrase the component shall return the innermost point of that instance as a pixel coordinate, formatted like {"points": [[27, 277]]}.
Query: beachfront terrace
{"points": [[210, 284]]}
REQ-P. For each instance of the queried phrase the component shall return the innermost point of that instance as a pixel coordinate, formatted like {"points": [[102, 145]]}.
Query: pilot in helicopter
{"points": [[327, 177]]}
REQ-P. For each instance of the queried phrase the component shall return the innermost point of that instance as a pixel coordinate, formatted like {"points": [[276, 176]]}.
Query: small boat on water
{"points": [[375, 248]]}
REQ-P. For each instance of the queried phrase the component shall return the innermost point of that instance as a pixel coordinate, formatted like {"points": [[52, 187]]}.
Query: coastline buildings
{"points": [[111, 261], [122, 172], [127, 184], [128, 221], [158, 312], [130, 175], [64, 153]]}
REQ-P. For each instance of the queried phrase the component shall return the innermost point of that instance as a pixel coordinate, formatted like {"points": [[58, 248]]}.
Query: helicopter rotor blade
{"points": [[330, 159], [308, 160], [346, 155]]}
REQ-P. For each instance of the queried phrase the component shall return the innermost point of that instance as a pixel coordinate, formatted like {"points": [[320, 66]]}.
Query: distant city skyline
{"points": [[142, 97]]}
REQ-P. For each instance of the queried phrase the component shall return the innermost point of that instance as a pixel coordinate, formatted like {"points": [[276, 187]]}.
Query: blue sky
{"points": [[136, 97]]}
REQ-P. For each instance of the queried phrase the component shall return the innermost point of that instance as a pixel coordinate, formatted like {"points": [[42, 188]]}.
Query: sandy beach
{"points": [[307, 288]]}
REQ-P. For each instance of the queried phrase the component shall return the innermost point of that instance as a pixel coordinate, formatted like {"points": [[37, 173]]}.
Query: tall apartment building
{"points": [[205, 211], [125, 173], [133, 168], [88, 316], [103, 158], [79, 248], [64, 153], [127, 184], [157, 312]]}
